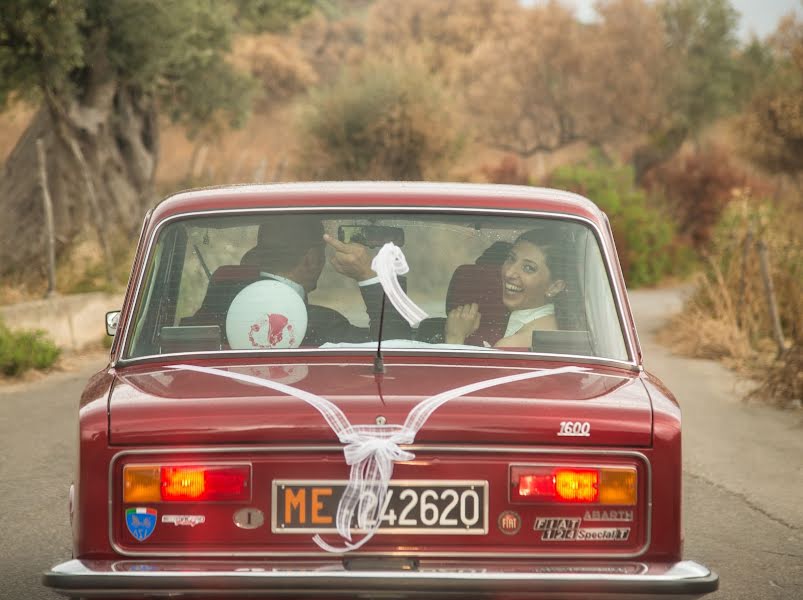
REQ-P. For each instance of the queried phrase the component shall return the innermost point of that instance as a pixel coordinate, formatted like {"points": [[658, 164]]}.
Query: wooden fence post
{"points": [[747, 244], [768, 288], [259, 172], [49, 225], [94, 207]]}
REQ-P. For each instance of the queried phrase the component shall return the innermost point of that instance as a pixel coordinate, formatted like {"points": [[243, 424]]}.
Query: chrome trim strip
{"points": [[686, 579], [612, 281], [414, 448], [445, 483], [394, 352], [115, 348]]}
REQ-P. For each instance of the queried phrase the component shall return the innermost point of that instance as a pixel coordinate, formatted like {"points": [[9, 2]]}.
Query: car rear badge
{"points": [[141, 522], [184, 520], [608, 515], [509, 522], [575, 428], [249, 518], [568, 529]]}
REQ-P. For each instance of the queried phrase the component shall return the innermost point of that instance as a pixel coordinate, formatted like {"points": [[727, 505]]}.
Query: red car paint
{"points": [[148, 413]]}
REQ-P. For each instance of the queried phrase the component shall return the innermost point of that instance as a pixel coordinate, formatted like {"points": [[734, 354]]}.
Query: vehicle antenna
{"points": [[379, 364]]}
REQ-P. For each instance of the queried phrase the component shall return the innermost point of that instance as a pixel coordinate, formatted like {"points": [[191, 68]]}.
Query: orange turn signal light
{"points": [[141, 484]]}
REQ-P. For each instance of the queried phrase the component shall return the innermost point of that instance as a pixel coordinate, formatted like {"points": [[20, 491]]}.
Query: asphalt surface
{"points": [[743, 484]]}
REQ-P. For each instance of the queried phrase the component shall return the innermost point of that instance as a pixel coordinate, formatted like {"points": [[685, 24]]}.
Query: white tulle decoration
{"points": [[388, 264], [372, 450]]}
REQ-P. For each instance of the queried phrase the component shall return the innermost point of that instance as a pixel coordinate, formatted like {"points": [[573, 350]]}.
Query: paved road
{"points": [[743, 483], [743, 467]]}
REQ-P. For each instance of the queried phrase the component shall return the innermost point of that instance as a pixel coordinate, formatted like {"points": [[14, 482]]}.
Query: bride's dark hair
{"points": [[557, 244]]}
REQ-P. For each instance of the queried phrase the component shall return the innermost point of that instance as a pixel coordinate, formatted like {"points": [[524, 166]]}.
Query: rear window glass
{"points": [[287, 282]]}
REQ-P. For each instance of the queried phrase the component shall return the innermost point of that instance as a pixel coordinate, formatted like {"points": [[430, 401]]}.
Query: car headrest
{"points": [[475, 283], [480, 283], [232, 273]]}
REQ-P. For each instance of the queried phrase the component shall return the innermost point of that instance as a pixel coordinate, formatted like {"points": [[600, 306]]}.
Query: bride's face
{"points": [[525, 277]]}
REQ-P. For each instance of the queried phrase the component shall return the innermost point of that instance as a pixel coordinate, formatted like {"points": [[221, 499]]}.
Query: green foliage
{"points": [[23, 350], [703, 78], [269, 15], [644, 237], [754, 66], [39, 41], [702, 37], [381, 122], [771, 125], [172, 51]]}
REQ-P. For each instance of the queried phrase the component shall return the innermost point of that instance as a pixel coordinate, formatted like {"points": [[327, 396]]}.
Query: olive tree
{"points": [[102, 73]]}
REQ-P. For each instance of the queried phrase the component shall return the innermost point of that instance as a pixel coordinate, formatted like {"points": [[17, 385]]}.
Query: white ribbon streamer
{"points": [[372, 450], [388, 264]]}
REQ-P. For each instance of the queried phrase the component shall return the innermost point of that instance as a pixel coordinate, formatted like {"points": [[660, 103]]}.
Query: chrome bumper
{"points": [[363, 578]]}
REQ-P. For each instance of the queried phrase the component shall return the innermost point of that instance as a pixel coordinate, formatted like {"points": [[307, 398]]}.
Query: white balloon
{"points": [[265, 315]]}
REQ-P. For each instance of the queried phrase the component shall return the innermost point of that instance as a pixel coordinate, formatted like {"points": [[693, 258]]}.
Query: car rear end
{"points": [[196, 483], [237, 506], [479, 523]]}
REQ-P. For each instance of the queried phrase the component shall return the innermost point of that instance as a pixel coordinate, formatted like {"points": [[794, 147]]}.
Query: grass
{"points": [[81, 270], [24, 350]]}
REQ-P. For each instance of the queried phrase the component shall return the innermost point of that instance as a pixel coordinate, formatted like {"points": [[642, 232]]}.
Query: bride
{"points": [[531, 281]]}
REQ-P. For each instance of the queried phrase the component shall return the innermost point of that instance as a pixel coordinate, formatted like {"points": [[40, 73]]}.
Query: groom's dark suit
{"points": [[323, 324]]}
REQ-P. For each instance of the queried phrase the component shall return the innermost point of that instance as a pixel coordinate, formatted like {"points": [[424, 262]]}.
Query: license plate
{"points": [[420, 506]]}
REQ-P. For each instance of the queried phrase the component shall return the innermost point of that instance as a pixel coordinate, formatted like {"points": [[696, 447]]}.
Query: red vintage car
{"points": [[377, 390]]}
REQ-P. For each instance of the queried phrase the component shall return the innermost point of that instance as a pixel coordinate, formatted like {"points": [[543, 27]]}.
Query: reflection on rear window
{"points": [[266, 282]]}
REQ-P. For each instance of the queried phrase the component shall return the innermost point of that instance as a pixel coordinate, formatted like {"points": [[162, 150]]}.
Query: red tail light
{"points": [[616, 485], [186, 483]]}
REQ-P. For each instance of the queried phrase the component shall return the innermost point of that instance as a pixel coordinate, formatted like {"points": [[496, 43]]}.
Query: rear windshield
{"points": [[284, 282]]}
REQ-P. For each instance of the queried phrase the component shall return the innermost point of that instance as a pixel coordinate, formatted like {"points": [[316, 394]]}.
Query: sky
{"points": [[759, 17]]}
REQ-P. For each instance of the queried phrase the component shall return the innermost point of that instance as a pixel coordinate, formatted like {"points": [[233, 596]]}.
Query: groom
{"points": [[291, 249]]}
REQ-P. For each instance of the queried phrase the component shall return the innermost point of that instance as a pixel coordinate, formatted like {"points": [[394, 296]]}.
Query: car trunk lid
{"points": [[598, 406]]}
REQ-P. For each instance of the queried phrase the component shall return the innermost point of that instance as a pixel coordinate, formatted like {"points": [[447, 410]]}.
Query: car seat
{"points": [[225, 283], [481, 284]]}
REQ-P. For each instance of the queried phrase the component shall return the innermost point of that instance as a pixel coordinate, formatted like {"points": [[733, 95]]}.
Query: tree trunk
{"points": [[116, 132]]}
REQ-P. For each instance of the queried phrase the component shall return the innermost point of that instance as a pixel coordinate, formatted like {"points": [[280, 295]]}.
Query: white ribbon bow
{"points": [[388, 264], [372, 450]]}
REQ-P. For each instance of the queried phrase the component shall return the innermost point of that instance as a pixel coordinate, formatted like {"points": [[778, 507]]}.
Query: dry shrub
{"points": [[331, 44], [771, 126], [508, 170], [728, 318], [277, 63], [708, 325], [698, 186], [79, 269], [782, 381], [381, 121]]}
